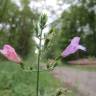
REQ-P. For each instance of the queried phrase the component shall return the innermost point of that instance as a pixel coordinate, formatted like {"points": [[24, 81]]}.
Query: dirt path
{"points": [[83, 81]]}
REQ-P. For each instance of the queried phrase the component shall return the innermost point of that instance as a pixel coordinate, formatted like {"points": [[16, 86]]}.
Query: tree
{"points": [[17, 26], [78, 20]]}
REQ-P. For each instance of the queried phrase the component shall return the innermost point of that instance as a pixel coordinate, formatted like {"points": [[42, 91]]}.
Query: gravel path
{"points": [[83, 81]]}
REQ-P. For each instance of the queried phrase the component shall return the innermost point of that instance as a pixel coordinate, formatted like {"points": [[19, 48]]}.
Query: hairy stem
{"points": [[38, 66]]}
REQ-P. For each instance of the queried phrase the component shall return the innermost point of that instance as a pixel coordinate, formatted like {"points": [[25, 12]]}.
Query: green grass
{"points": [[15, 82]]}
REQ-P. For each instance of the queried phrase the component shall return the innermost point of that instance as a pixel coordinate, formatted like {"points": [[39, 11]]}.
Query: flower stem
{"points": [[38, 66]]}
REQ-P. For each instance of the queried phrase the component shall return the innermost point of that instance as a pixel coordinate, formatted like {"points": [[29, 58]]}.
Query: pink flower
{"points": [[10, 53], [73, 47]]}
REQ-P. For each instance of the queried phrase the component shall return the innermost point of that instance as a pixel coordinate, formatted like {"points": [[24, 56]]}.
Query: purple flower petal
{"points": [[75, 40], [73, 47], [82, 47]]}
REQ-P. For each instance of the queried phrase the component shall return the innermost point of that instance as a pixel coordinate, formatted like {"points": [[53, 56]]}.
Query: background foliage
{"points": [[17, 26], [78, 20]]}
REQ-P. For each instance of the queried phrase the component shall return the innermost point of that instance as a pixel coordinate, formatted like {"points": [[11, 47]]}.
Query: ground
{"points": [[17, 82], [82, 80]]}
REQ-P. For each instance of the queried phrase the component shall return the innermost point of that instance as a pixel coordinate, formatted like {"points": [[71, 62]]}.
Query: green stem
{"points": [[36, 70], [58, 57], [38, 66]]}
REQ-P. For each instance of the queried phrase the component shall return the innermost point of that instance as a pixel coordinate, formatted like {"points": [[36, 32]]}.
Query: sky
{"points": [[53, 9]]}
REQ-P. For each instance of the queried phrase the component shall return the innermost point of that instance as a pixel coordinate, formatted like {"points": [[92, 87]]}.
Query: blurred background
{"points": [[66, 19]]}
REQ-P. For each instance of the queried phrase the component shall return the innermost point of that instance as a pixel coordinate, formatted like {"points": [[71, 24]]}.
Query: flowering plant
{"points": [[9, 52]]}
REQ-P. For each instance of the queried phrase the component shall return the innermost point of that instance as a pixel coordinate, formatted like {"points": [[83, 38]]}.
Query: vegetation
{"points": [[17, 26], [78, 20], [16, 82]]}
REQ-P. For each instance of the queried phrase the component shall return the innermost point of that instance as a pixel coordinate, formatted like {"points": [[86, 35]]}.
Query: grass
{"points": [[15, 82]]}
